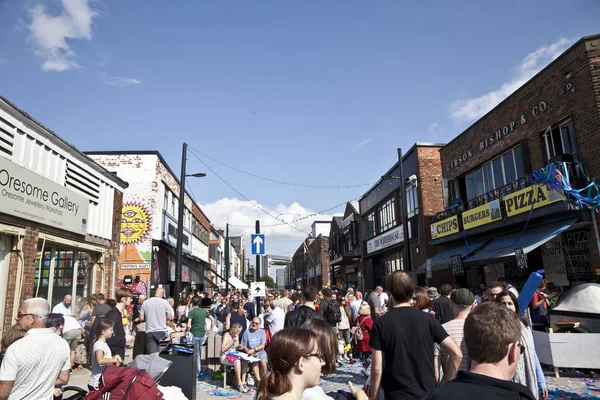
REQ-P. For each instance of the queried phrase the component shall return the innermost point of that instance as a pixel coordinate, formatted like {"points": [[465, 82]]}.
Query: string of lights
{"points": [[243, 196], [277, 181], [307, 216]]}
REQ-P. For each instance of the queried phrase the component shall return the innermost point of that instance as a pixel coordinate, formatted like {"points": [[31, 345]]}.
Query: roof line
{"points": [[99, 168], [573, 46], [147, 153]]}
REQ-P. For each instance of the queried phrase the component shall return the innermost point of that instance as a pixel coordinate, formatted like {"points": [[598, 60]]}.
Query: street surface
{"points": [[559, 388]]}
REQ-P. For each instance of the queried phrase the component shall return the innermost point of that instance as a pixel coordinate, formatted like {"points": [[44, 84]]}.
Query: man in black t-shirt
{"points": [[405, 337], [443, 305], [306, 311], [492, 336]]}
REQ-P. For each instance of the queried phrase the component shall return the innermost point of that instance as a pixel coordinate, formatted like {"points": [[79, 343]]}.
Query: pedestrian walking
{"points": [[296, 358], [404, 337], [364, 323], [492, 336], [529, 371], [156, 311], [196, 324], [35, 364]]}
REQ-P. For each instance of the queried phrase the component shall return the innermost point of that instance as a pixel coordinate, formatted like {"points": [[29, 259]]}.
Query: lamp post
{"points": [[407, 262], [179, 248]]}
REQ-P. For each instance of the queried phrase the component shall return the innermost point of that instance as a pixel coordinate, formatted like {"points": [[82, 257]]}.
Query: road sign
{"points": [[258, 244], [258, 289]]}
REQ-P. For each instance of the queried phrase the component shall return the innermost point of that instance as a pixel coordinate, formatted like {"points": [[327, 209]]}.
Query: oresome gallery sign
{"points": [[25, 194]]}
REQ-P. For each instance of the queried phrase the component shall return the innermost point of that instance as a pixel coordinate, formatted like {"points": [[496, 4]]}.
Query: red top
{"points": [[538, 297], [366, 324]]}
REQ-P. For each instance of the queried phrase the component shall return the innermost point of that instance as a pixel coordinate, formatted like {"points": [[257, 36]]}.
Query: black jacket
{"points": [[301, 314], [468, 385], [117, 342]]}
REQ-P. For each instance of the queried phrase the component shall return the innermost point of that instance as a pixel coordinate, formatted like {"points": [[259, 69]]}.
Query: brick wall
{"points": [[431, 200], [570, 88]]}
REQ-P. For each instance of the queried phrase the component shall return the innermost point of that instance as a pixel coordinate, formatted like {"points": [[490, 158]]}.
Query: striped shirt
{"points": [[455, 330]]}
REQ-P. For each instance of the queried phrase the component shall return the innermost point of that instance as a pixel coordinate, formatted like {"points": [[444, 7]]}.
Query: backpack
{"points": [[357, 333], [125, 383], [333, 313]]}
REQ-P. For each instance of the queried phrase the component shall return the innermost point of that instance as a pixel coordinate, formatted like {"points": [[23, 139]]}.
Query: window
{"points": [[412, 201], [387, 215], [166, 203], [348, 240], [559, 140], [453, 191], [501, 171], [370, 230]]}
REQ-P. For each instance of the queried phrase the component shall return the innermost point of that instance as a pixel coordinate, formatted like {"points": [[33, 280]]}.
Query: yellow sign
{"points": [[481, 215], [445, 227], [536, 196]]}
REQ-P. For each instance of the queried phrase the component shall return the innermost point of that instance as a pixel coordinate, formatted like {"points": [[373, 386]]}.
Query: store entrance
{"points": [[61, 271]]}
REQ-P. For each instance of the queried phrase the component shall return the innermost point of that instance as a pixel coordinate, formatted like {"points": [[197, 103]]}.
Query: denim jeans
{"points": [[200, 341]]}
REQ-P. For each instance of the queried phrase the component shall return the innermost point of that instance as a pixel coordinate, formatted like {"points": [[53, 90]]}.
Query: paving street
{"points": [[559, 388]]}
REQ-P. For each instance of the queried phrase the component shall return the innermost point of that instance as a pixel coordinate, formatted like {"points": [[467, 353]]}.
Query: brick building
{"points": [[149, 226], [317, 262], [504, 194], [345, 250], [381, 214], [60, 217], [299, 265]]}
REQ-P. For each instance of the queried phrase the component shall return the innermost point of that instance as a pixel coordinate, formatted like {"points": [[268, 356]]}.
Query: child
{"points": [[101, 355]]}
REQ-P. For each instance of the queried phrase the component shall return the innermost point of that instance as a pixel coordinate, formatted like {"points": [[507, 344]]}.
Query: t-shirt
{"points": [[354, 308], [254, 339], [443, 309], [250, 308], [276, 320], [300, 315], [155, 312], [373, 301], [383, 299], [60, 308], [101, 310], [455, 329], [406, 336], [468, 385], [34, 363], [97, 369], [283, 303], [198, 316], [71, 324]]}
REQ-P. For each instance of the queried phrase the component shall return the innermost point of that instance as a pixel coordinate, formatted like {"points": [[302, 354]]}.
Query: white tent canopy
{"points": [[236, 283]]}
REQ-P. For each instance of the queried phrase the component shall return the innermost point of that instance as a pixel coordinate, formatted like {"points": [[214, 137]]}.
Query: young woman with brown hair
{"points": [[296, 360]]}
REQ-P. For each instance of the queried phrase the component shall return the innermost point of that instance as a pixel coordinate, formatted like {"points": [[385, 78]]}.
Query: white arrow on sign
{"points": [[258, 242]]}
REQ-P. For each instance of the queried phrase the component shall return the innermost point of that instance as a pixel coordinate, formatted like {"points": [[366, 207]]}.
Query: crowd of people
{"points": [[412, 342]]}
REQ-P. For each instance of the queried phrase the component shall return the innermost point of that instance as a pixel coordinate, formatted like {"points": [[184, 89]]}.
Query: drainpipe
{"points": [[595, 224], [114, 278]]}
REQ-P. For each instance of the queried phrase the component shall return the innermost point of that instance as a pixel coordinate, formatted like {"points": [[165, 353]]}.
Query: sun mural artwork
{"points": [[135, 223]]}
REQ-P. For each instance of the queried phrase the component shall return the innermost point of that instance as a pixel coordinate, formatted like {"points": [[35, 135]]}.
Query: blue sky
{"points": [[286, 90]]}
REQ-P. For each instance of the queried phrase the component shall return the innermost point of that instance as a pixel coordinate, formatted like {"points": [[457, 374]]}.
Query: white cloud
{"points": [[435, 129], [363, 143], [119, 80], [243, 213], [470, 109], [50, 35]]}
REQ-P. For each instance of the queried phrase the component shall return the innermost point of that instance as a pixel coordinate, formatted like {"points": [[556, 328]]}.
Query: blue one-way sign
{"points": [[258, 244]]}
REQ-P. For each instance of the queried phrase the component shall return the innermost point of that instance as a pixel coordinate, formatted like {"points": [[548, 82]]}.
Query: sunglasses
{"points": [[19, 315], [320, 356], [256, 323]]}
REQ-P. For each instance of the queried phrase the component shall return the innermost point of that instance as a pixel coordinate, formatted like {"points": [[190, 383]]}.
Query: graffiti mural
{"points": [[136, 246]]}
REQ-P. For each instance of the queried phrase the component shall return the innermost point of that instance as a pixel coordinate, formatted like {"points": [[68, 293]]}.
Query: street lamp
{"points": [[403, 208], [179, 248]]}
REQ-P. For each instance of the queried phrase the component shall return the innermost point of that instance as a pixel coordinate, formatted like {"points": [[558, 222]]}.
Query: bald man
{"points": [[156, 311]]}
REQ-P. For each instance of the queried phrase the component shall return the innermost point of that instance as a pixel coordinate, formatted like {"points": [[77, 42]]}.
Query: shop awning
{"points": [[443, 258], [236, 283], [529, 239]]}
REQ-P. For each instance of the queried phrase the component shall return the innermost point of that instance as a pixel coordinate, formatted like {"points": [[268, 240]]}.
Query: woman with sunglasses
{"points": [[328, 341], [296, 360], [529, 371]]}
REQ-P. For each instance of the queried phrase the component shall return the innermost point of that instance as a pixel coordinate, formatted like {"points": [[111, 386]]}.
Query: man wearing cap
{"points": [[462, 301]]}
